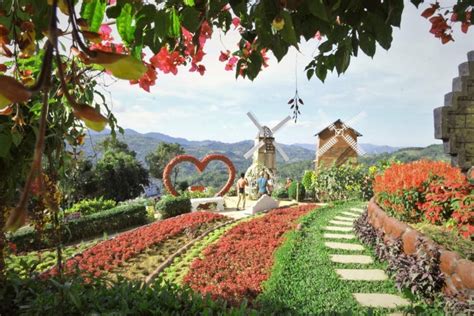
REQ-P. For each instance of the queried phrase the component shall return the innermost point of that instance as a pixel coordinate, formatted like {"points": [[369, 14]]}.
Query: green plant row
{"points": [[109, 221], [73, 296], [38, 261], [175, 272], [170, 206], [304, 280]]}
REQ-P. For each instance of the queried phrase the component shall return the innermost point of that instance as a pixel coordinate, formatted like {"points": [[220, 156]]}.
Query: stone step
{"points": [[362, 274], [350, 214], [351, 259], [343, 246], [344, 218], [358, 210], [339, 236], [341, 223], [379, 300], [338, 229]]}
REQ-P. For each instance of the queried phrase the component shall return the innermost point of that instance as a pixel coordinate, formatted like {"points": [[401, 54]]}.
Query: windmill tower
{"points": [[264, 151], [337, 144]]}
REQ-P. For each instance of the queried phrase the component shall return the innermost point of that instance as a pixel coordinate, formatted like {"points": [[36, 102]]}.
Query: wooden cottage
{"points": [[337, 144]]}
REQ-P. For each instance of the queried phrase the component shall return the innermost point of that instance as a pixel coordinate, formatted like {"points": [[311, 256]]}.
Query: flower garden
{"points": [[303, 259]]}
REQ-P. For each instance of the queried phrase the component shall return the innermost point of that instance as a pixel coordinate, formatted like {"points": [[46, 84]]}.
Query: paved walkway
{"points": [[342, 229]]}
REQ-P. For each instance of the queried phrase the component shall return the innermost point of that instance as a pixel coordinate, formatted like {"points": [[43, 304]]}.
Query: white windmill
{"points": [[264, 150], [332, 135]]}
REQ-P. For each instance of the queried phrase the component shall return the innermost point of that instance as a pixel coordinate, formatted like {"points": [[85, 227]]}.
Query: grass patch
{"points": [[304, 280], [448, 239]]}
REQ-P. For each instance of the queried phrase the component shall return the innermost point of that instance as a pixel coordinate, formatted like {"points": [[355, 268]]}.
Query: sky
{"points": [[397, 91]]}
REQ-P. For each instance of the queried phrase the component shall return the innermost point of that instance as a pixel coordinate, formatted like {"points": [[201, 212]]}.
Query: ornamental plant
{"points": [[235, 267], [432, 191], [113, 252]]}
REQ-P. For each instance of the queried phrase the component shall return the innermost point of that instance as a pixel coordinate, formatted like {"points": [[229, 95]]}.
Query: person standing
{"points": [[241, 184], [262, 184]]}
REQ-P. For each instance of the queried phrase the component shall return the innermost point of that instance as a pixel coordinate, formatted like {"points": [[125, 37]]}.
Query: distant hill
{"points": [[368, 148], [432, 152]]}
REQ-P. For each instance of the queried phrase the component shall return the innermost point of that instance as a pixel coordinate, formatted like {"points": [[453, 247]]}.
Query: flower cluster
{"points": [[113, 252], [235, 267], [427, 190]]}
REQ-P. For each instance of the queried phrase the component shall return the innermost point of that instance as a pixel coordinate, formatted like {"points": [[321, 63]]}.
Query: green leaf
{"points": [[189, 3], [321, 72], [310, 73], [93, 11], [288, 32], [367, 44], [125, 24], [174, 26], [343, 58], [383, 31], [318, 9], [5, 144], [279, 48], [255, 65], [325, 47], [190, 19]]}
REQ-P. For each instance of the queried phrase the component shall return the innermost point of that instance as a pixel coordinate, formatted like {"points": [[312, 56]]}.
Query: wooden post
{"points": [[297, 191]]}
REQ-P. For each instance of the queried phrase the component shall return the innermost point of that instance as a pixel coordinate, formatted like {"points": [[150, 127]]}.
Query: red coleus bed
{"points": [[235, 267], [113, 252], [427, 190]]}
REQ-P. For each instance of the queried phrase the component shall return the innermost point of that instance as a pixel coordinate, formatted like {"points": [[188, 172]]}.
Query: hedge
{"points": [[109, 221], [292, 191], [171, 206]]}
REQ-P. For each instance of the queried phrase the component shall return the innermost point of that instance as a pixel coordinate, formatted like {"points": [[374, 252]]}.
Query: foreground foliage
{"points": [[74, 296], [235, 266]]}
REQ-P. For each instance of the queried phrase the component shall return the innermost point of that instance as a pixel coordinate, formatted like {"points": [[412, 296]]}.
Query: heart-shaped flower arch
{"points": [[200, 166]]}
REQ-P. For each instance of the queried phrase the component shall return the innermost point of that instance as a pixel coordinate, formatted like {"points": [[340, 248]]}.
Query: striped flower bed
{"points": [[114, 252], [235, 267]]}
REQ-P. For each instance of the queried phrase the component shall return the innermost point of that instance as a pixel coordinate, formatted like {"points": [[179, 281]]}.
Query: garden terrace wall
{"points": [[458, 272]]}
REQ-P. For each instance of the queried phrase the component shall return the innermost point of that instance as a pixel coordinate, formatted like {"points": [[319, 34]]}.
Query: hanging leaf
{"points": [[291, 101], [288, 32], [121, 66], [190, 19], [92, 118], [174, 26], [125, 24], [93, 11], [301, 101], [11, 91], [318, 9]]}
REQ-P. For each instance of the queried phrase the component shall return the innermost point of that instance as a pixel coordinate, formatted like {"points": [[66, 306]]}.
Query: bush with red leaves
{"points": [[235, 267]]}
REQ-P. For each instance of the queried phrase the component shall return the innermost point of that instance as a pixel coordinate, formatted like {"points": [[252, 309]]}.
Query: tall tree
{"points": [[113, 144], [158, 159]]}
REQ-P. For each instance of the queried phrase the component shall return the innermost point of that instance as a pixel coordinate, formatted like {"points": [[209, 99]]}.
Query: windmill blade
{"points": [[249, 153], [354, 120], [254, 120], [280, 125], [353, 144], [331, 142], [281, 151]]}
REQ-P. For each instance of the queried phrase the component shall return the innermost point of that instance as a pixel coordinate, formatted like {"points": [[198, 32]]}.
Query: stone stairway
{"points": [[338, 230]]}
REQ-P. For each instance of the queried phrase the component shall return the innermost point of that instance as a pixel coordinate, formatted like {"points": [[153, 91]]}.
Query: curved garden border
{"points": [[458, 273]]}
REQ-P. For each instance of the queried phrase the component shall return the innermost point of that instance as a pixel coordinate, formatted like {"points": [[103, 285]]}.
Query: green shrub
{"points": [[170, 206], [340, 182], [232, 192], [293, 188], [105, 297], [183, 186], [108, 221], [280, 193], [91, 206]]}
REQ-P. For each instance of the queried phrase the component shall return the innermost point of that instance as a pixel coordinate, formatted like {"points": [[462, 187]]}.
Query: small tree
{"points": [[158, 159], [120, 176]]}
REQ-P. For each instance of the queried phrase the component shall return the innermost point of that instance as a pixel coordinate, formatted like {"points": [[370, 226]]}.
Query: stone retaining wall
{"points": [[458, 272]]}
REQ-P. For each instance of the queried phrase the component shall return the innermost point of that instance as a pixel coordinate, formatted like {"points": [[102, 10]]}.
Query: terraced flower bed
{"points": [[235, 267], [176, 272], [111, 254]]}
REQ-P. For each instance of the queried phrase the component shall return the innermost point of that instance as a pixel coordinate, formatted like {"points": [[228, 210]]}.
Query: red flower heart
{"points": [[200, 166]]}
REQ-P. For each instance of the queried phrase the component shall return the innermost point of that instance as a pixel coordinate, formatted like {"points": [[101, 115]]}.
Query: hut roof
{"points": [[335, 123]]}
